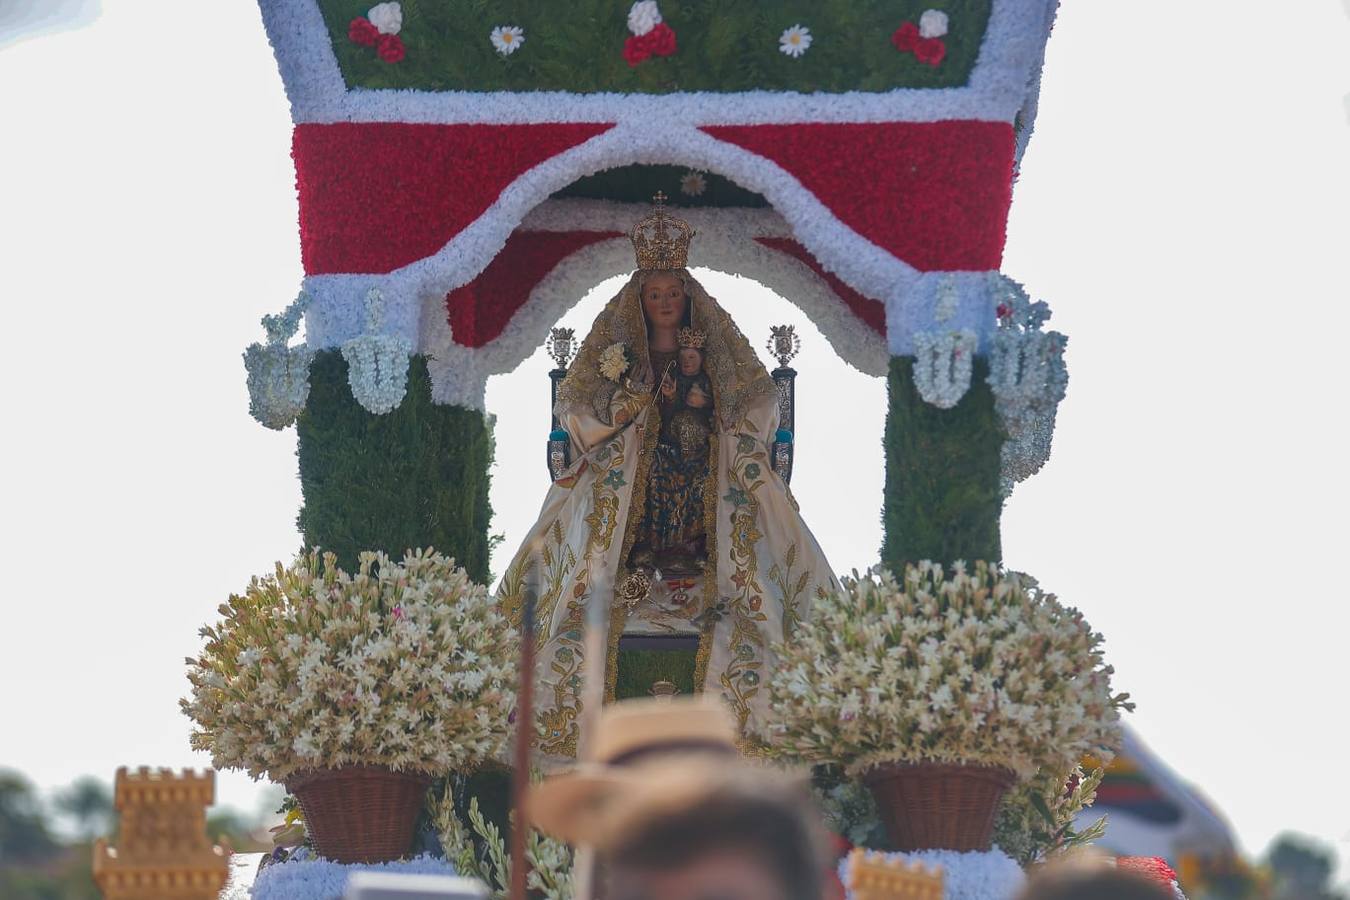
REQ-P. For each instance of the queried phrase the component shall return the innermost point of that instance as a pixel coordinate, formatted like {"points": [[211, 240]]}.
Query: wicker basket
{"points": [[939, 807], [360, 814]]}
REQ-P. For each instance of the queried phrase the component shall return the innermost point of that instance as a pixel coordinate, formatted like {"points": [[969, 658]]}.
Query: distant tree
{"points": [[1301, 869], [24, 835], [89, 801]]}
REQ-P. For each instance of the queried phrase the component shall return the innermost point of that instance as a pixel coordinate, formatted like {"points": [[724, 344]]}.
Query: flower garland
{"points": [[278, 375], [1029, 378], [942, 365], [377, 362], [380, 28], [651, 36]]}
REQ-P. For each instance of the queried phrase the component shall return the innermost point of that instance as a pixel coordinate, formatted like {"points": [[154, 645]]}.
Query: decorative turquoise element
{"points": [[615, 478], [736, 496], [557, 435], [783, 436]]}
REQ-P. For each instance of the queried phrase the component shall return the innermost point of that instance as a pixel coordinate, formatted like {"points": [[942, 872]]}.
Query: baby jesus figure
{"points": [[690, 420]]}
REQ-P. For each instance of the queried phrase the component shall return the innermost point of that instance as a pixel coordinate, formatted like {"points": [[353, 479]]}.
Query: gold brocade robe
{"points": [[764, 566]]}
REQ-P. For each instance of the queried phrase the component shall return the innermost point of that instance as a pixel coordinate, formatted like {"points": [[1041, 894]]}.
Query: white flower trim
{"points": [[278, 375], [643, 17], [933, 23], [998, 86], [386, 17], [377, 363], [507, 38], [942, 366], [795, 41], [988, 875]]}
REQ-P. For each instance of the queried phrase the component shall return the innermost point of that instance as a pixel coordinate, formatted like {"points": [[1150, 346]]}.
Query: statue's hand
{"points": [[668, 387]]}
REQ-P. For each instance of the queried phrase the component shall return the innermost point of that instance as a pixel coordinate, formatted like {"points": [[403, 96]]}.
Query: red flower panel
{"points": [[479, 311], [871, 312], [375, 196], [935, 194]]}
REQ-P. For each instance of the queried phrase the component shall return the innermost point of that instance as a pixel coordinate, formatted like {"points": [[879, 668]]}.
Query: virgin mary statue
{"points": [[670, 517]]}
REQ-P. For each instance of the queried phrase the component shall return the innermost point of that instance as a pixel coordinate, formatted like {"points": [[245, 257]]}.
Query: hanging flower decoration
{"points": [[278, 375], [380, 28], [651, 36], [942, 365], [795, 41], [507, 38], [924, 39], [693, 183], [1028, 377], [377, 363]]}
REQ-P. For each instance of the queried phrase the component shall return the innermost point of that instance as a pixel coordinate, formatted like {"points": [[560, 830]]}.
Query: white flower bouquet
{"points": [[404, 665], [977, 668], [614, 361]]}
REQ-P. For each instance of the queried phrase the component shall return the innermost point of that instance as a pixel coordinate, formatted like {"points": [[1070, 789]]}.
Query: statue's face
{"points": [[663, 301]]}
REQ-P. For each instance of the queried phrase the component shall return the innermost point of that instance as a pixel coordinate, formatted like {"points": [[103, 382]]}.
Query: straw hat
{"points": [[633, 740]]}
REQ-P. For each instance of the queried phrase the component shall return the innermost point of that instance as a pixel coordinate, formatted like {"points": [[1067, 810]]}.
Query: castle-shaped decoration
{"points": [[162, 850], [874, 876]]}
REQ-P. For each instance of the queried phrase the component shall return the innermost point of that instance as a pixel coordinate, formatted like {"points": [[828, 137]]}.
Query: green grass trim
{"points": [[724, 45], [414, 477], [638, 670], [942, 498]]}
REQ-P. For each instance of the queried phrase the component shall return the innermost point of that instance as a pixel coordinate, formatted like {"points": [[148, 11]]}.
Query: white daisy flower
{"points": [[795, 41], [506, 38], [386, 17], [693, 183], [643, 17], [933, 23]]}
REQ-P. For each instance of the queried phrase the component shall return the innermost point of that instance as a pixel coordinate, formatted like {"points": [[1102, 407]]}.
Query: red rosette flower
{"points": [[634, 50], [390, 48], [906, 37], [660, 41], [931, 51], [362, 32]]}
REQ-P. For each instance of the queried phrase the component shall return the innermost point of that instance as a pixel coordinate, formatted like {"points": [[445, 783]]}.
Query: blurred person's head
{"points": [[698, 832], [674, 813], [1093, 882]]}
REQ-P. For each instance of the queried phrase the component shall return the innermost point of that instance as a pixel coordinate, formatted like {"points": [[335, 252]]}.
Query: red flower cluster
{"points": [[926, 50], [660, 41], [389, 47]]}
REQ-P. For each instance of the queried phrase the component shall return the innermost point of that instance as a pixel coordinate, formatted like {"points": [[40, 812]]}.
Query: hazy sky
{"points": [[1183, 209]]}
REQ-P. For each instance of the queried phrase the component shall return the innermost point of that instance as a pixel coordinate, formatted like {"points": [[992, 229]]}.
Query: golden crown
{"points": [[692, 337], [661, 241]]}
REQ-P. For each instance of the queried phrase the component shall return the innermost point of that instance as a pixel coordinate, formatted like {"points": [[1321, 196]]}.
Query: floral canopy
{"points": [[478, 162]]}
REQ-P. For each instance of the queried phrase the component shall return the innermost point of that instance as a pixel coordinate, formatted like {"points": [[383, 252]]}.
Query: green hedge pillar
{"points": [[413, 477], [942, 473]]}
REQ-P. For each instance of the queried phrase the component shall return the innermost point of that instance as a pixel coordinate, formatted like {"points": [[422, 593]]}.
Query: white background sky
{"points": [[1183, 208]]}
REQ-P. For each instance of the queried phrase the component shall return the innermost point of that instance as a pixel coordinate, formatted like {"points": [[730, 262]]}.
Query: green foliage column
{"points": [[942, 473], [413, 477]]}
